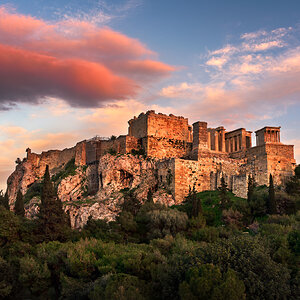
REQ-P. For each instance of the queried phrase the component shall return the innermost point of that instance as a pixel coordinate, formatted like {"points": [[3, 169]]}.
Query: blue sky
{"points": [[232, 63]]}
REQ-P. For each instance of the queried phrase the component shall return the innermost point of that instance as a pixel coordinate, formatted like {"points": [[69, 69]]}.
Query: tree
{"points": [[195, 203], [258, 201], [19, 205], [293, 184], [225, 201], [251, 186], [207, 282], [53, 221], [297, 172], [160, 222], [131, 203], [4, 201], [271, 204]]}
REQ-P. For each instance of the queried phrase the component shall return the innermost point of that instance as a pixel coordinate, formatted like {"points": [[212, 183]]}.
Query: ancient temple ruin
{"points": [[190, 156]]}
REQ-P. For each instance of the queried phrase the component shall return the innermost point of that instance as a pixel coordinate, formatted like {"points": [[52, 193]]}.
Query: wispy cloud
{"points": [[257, 78], [100, 13]]}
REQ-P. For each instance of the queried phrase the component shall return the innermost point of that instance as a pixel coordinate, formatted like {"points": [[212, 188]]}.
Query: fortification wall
{"points": [[33, 167], [205, 174], [281, 162], [56, 159], [169, 127], [275, 159], [138, 127], [92, 178], [166, 148], [93, 151], [80, 154], [160, 126], [117, 145], [123, 144]]}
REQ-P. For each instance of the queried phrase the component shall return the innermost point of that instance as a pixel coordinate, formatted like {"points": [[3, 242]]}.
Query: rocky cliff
{"points": [[97, 190]]}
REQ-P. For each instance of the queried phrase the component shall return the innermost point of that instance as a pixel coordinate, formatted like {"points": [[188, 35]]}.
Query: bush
{"points": [[6, 279], [207, 234], [286, 204], [207, 282], [33, 191], [232, 218], [68, 170], [34, 275], [160, 223], [118, 286], [250, 258]]}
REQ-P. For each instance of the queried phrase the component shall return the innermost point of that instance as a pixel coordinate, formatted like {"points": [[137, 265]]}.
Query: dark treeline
{"points": [[212, 246]]}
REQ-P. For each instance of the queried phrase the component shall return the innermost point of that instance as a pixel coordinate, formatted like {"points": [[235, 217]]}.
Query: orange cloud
{"points": [[72, 60]]}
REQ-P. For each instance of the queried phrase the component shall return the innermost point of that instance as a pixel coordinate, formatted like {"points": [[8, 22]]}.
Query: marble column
{"points": [[216, 141], [208, 140], [223, 141], [238, 143]]}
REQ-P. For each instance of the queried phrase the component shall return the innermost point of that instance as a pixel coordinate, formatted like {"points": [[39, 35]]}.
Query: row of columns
{"points": [[272, 136], [219, 140], [234, 143]]}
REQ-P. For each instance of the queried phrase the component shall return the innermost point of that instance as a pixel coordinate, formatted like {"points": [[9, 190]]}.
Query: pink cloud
{"points": [[72, 60], [30, 76]]}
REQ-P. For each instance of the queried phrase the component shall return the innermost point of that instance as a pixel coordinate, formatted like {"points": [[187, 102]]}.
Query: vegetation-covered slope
{"points": [[213, 246]]}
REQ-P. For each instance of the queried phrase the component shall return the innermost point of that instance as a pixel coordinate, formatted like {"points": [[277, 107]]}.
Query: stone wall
{"points": [[138, 126], [93, 151], [165, 148], [160, 126], [281, 162], [206, 173], [92, 178], [169, 127], [32, 168]]}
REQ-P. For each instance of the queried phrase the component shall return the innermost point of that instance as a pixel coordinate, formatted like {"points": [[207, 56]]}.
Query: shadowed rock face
{"points": [[115, 174], [32, 168]]}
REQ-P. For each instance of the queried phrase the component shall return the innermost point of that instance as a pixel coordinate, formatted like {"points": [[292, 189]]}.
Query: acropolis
{"points": [[192, 156]]}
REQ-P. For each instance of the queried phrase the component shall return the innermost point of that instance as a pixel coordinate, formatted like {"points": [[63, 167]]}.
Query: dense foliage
{"points": [[213, 246]]}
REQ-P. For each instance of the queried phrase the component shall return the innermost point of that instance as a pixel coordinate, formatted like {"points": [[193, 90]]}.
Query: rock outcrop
{"points": [[117, 175]]}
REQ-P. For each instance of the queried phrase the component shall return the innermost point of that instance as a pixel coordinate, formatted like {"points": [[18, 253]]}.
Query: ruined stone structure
{"points": [[182, 155], [199, 156]]}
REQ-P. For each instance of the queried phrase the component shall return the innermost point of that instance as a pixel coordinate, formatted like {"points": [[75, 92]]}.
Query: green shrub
{"points": [[33, 191], [68, 170], [207, 282], [207, 234]]}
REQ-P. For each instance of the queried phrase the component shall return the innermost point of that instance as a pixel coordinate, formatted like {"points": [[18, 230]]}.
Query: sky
{"points": [[70, 70]]}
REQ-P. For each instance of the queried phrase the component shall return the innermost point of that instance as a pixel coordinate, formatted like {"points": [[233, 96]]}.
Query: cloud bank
{"points": [[73, 60]]}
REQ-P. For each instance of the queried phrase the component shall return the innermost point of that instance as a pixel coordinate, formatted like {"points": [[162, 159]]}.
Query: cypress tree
{"points": [[250, 193], [251, 186], [4, 201], [271, 204], [196, 206], [19, 205], [225, 201], [53, 221]]}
